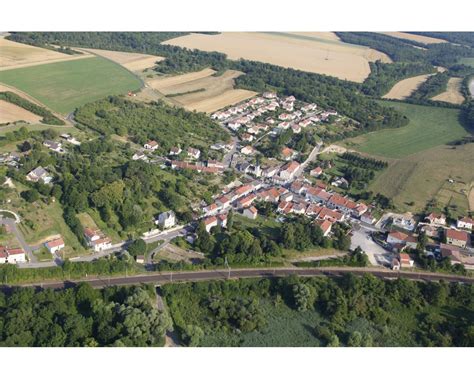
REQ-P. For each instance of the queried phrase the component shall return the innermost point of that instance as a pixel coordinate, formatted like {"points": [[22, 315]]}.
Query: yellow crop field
{"points": [[16, 55], [453, 93], [415, 37], [321, 53], [406, 87], [131, 61], [10, 113]]}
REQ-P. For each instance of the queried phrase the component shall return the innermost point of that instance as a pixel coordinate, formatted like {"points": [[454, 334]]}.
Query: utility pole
{"points": [[227, 264]]}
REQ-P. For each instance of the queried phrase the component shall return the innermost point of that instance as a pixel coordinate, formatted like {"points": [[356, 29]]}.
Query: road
{"points": [[19, 236], [314, 153], [196, 276]]}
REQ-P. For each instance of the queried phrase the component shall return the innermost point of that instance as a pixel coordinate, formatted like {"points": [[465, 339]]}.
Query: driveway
{"points": [[378, 256], [10, 223]]}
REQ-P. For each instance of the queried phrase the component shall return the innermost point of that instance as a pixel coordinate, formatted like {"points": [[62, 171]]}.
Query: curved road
{"points": [[195, 276]]}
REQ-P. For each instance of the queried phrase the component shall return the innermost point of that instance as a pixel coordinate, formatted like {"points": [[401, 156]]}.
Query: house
{"points": [[101, 244], [430, 230], [210, 222], [246, 201], [405, 260], [325, 226], [223, 202], [166, 220], [465, 223], [175, 151], [211, 209], [395, 265], [287, 153], [222, 220], [54, 146], [193, 153], [151, 145], [296, 128], [140, 259], [270, 171], [305, 123], [340, 182], [269, 95], [401, 239], [250, 212], [286, 197], [404, 221], [248, 150], [16, 255], [458, 238], [39, 173], [300, 208], [214, 163], [436, 218], [247, 137], [317, 195], [368, 218], [55, 245], [3, 255], [139, 156], [289, 170], [329, 214], [91, 235], [316, 171]]}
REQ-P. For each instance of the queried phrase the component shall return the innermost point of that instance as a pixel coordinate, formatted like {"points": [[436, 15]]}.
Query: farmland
{"points": [[202, 90], [429, 127], [10, 113], [420, 162], [131, 61], [424, 176], [467, 61], [16, 55], [415, 37], [304, 51], [64, 86], [405, 87], [453, 92]]}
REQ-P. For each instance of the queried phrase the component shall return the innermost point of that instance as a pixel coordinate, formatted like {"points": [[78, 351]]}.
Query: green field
{"points": [[64, 86], [467, 61], [428, 127]]}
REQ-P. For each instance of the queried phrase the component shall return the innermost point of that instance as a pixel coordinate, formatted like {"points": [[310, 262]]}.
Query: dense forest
{"points": [[82, 316], [48, 117], [463, 38], [324, 90], [350, 311], [169, 126]]}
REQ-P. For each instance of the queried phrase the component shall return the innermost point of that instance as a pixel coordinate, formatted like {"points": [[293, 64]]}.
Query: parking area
{"points": [[378, 256]]}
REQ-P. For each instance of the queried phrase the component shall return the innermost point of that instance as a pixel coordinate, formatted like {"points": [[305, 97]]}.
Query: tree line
{"points": [[48, 117]]}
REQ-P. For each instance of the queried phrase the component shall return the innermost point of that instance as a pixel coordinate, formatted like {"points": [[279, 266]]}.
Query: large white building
{"points": [[166, 220]]}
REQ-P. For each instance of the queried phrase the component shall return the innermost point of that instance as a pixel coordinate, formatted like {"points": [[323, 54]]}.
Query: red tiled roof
{"points": [[55, 243], [457, 234]]}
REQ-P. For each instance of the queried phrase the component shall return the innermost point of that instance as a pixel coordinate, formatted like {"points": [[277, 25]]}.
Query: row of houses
{"points": [[211, 167]]}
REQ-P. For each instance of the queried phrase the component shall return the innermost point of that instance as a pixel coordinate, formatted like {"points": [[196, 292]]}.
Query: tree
{"points": [[230, 220], [30, 195], [137, 247], [302, 296], [193, 335]]}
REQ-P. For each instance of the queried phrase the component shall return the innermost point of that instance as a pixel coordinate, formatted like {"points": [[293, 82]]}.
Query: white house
{"points": [[16, 255], [39, 173], [250, 212], [101, 244], [289, 170], [166, 220], [151, 145], [194, 153], [3, 254], [210, 222], [55, 245], [175, 150], [465, 223]]}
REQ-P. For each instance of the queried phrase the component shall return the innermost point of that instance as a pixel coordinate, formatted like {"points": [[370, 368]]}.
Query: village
{"points": [[291, 182]]}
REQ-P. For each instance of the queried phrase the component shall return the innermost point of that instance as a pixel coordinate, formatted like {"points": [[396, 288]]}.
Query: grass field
{"points": [[66, 85], [320, 53], [467, 61], [420, 162], [429, 127]]}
